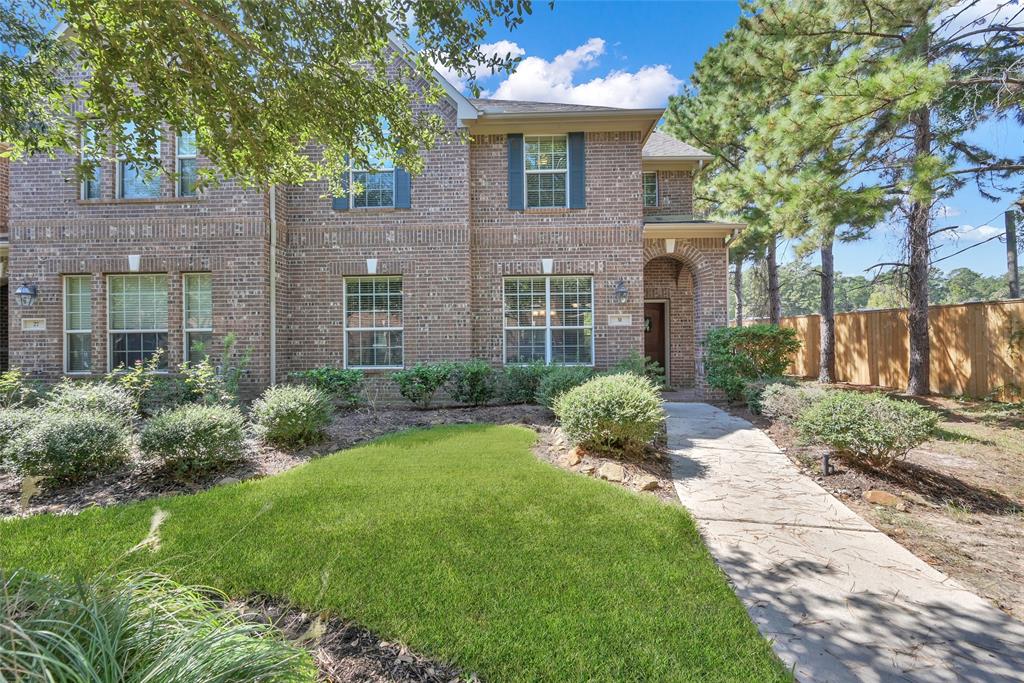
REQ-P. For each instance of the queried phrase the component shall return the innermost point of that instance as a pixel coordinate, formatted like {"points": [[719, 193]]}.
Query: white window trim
{"points": [[178, 156], [81, 185], [547, 320], [352, 193], [547, 171], [118, 170], [68, 331], [186, 330], [657, 192], [111, 331], [345, 329]]}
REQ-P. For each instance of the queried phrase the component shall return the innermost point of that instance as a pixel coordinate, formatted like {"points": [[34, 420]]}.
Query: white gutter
{"points": [[273, 285]]}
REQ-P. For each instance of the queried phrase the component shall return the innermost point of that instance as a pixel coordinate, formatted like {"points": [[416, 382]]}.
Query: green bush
{"points": [[137, 380], [13, 421], [165, 393], [84, 396], [343, 385], [787, 401], [70, 445], [611, 413], [641, 365], [194, 439], [472, 383], [419, 383], [136, 628], [519, 383], [560, 379], [754, 390], [290, 415], [17, 390], [217, 381], [868, 429], [734, 356]]}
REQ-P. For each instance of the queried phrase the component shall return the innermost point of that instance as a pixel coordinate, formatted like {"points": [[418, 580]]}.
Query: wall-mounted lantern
{"points": [[621, 294], [26, 294]]}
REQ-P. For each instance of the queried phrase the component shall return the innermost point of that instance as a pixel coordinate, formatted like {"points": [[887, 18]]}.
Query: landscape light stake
{"points": [[826, 467]]}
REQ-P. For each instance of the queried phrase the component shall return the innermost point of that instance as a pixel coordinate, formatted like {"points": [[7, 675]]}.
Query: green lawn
{"points": [[456, 541]]}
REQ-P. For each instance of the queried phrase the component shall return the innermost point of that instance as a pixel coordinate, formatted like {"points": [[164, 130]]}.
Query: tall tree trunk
{"points": [[1012, 272], [774, 296], [737, 282], [827, 363], [917, 314]]}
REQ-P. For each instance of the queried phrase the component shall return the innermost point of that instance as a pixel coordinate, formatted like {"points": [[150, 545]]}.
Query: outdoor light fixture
{"points": [[26, 294], [621, 293]]}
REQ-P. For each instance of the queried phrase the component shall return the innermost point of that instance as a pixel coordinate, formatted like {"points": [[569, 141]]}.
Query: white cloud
{"points": [[554, 81], [972, 233], [946, 211], [499, 48]]}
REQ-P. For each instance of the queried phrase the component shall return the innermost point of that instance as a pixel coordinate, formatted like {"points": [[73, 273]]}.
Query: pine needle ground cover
{"points": [[456, 541]]}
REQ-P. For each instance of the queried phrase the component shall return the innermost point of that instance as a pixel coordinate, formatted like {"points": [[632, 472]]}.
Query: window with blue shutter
{"points": [[516, 182], [577, 171]]}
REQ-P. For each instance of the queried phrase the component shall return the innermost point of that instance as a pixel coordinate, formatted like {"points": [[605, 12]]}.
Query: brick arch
{"points": [[702, 272]]}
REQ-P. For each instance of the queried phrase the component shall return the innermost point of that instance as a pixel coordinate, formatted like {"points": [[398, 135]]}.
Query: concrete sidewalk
{"points": [[841, 600]]}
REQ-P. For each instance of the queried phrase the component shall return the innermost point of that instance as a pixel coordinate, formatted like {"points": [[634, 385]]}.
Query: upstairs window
{"points": [[137, 307], [92, 183], [546, 161], [650, 189], [373, 322], [77, 324], [377, 187], [137, 181], [549, 320], [185, 164]]}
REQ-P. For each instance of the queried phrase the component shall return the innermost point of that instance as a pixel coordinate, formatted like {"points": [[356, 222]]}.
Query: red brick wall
{"points": [[668, 279], [675, 194]]}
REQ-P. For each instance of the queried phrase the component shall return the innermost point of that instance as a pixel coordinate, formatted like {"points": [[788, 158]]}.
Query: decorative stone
{"points": [[224, 481], [646, 482], [611, 471], [884, 498], [573, 457]]}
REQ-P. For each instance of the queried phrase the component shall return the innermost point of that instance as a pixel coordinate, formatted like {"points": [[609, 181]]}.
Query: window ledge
{"points": [[549, 210], [158, 200]]}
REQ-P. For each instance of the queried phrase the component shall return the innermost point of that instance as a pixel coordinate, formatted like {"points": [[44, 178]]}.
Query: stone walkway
{"points": [[840, 600]]}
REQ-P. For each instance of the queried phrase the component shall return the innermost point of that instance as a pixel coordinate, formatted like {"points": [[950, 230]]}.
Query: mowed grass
{"points": [[456, 541]]}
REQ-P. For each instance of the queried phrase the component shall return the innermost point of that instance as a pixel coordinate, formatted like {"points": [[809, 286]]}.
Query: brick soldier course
{"points": [[453, 243]]}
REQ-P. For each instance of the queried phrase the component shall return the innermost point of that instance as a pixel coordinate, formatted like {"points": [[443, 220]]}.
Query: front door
{"points": [[654, 331]]}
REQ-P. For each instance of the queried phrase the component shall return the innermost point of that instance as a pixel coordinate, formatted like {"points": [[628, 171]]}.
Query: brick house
{"points": [[558, 233]]}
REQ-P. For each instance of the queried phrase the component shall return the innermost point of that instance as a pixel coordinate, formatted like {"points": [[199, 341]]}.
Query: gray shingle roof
{"points": [[663, 145], [522, 107]]}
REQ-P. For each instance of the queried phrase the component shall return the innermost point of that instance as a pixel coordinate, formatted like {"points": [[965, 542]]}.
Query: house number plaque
{"points": [[620, 320]]}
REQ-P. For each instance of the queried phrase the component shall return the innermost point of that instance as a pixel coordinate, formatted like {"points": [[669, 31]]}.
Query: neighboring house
{"points": [[560, 234]]}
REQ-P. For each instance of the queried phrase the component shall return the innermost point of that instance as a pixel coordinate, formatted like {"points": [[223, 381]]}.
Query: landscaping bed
{"points": [[960, 495]]}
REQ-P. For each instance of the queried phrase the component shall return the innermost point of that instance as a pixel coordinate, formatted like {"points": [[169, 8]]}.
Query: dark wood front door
{"points": [[654, 331]]}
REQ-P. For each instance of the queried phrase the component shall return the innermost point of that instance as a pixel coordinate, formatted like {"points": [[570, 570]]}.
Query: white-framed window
{"points": [[137, 318], [77, 324], [185, 164], [546, 162], [373, 319], [549, 319], [136, 181], [197, 313], [91, 184], [650, 189]]}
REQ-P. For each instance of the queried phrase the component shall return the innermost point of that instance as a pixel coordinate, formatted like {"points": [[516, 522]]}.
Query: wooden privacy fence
{"points": [[977, 349]]}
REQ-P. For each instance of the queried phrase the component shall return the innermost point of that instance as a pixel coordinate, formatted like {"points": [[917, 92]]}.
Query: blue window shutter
{"points": [[403, 189], [516, 181], [341, 203], [577, 172]]}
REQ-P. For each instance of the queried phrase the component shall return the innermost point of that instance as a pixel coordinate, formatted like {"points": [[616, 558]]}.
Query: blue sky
{"points": [[637, 53]]}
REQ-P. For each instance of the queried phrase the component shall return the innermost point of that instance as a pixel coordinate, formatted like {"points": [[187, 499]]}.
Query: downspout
{"points": [[273, 285]]}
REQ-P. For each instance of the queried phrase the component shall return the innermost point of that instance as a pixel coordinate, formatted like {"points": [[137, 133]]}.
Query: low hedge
{"points": [[472, 383], [291, 416], [611, 413], [343, 385], [520, 383], [788, 400], [194, 439], [561, 379], [70, 445], [85, 396], [734, 356], [420, 383]]}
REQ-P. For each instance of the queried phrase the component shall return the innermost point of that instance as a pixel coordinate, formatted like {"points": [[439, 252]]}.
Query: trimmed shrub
{"points": [[195, 439], [85, 397], [70, 445], [165, 393], [787, 400], [868, 429], [12, 422], [560, 379], [736, 355], [611, 413], [472, 383], [290, 415], [753, 391], [140, 627], [343, 385], [641, 365], [419, 383], [519, 383]]}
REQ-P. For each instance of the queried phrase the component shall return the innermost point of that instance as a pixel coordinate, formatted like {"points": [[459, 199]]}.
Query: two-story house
{"points": [[555, 233]]}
